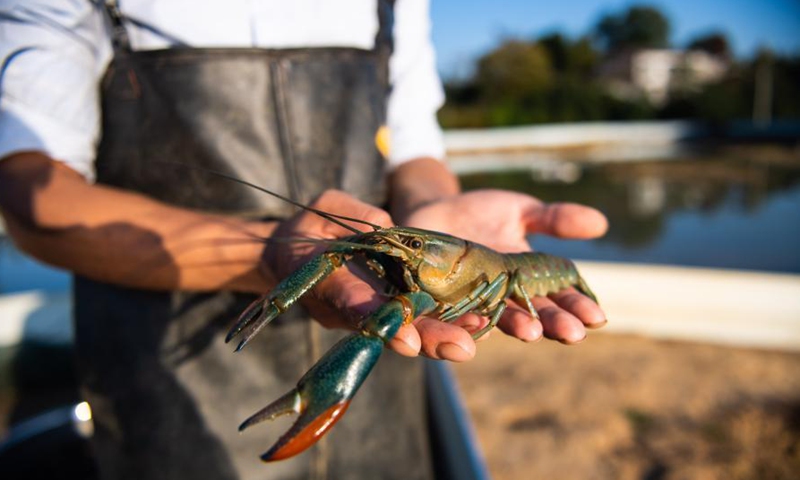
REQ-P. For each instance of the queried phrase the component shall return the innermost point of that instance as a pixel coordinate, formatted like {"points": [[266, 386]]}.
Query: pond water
{"points": [[738, 212], [19, 273]]}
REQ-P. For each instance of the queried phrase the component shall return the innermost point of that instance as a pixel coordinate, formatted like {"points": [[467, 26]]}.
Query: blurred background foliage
{"points": [[555, 78]]}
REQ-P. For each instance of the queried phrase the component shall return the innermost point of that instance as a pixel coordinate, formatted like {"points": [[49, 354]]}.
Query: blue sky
{"points": [[463, 30]]}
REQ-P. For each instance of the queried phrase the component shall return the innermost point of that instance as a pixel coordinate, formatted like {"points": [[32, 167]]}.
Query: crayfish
{"points": [[431, 273]]}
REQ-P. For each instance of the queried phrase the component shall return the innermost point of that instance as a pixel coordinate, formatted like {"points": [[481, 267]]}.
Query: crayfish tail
{"points": [[306, 431], [583, 287], [289, 403]]}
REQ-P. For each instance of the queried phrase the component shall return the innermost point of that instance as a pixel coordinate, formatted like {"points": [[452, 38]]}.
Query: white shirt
{"points": [[54, 53]]}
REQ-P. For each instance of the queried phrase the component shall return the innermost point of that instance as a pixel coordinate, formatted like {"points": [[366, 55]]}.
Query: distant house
{"points": [[656, 73]]}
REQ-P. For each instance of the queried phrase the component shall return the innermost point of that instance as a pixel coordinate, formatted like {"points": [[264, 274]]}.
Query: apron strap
{"points": [[119, 36], [384, 40]]}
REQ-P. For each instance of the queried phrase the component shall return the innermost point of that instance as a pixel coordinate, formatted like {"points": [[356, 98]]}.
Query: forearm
{"points": [[125, 238], [419, 182]]}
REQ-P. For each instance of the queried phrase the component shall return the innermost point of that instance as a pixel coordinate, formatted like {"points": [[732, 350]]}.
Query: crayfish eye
{"points": [[415, 243]]}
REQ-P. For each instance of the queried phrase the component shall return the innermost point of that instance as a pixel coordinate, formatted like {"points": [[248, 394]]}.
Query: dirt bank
{"points": [[621, 407]]}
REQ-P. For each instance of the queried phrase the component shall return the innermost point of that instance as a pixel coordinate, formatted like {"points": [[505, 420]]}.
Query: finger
{"points": [[340, 203], [565, 220], [557, 323], [348, 297], [579, 305], [444, 341], [406, 342], [518, 323]]}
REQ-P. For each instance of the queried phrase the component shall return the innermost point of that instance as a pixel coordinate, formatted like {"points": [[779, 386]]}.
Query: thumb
{"points": [[565, 220]]}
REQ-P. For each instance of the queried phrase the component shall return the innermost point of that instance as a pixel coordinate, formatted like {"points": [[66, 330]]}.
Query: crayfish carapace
{"points": [[432, 273]]}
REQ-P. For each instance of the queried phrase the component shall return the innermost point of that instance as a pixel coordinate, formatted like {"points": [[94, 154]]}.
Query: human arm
{"points": [[127, 239], [120, 237]]}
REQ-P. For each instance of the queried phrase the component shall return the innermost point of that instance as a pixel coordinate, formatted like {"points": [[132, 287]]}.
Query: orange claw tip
{"points": [[298, 440]]}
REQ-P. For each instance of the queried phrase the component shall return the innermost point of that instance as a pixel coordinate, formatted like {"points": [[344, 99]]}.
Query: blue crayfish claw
{"points": [[323, 394], [283, 296], [306, 430]]}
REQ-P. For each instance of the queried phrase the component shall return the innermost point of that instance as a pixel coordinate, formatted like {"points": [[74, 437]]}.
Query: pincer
{"points": [[322, 396]]}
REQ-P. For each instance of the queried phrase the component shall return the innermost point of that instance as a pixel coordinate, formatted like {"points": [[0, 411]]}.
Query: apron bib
{"points": [[167, 394]]}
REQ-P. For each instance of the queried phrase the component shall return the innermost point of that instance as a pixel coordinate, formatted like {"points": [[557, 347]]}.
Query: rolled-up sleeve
{"points": [[416, 88], [53, 56]]}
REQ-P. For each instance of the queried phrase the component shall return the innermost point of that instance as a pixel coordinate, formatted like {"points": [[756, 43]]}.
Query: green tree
{"points": [[584, 58], [714, 43], [572, 58], [515, 69], [787, 87], [557, 48], [638, 27]]}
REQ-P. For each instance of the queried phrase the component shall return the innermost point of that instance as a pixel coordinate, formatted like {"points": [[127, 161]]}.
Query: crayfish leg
{"points": [[496, 314], [521, 296]]}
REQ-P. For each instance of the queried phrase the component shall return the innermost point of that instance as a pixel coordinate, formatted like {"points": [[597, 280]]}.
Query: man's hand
{"points": [[502, 220], [344, 298]]}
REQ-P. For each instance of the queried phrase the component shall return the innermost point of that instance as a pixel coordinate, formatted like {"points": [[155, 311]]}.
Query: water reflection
{"points": [[734, 209], [19, 273]]}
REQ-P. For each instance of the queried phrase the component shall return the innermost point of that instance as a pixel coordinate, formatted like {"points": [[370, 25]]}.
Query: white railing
{"points": [[517, 147], [730, 307], [570, 135]]}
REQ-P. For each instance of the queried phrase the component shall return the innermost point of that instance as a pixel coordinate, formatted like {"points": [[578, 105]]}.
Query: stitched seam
{"points": [[277, 72]]}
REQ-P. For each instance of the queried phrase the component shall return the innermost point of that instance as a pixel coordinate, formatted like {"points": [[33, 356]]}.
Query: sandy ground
{"points": [[622, 407]]}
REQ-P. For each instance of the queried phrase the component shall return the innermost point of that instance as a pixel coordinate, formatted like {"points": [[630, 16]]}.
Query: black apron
{"points": [[167, 394]]}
